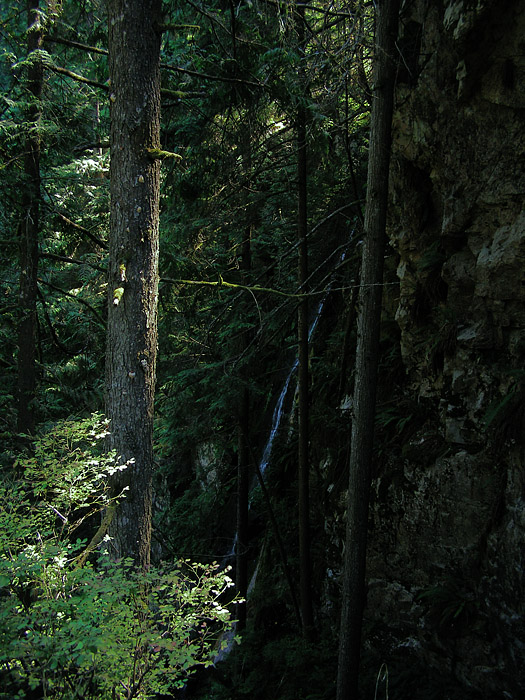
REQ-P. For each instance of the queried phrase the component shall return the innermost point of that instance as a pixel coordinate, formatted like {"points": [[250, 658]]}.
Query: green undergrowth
{"points": [[74, 624]]}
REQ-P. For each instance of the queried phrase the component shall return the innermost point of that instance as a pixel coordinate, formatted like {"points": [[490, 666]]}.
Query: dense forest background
{"points": [[264, 143]]}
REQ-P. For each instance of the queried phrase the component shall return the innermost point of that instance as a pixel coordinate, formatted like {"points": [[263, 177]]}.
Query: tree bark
{"points": [[243, 456], [370, 296], [29, 234], [302, 341], [134, 69]]}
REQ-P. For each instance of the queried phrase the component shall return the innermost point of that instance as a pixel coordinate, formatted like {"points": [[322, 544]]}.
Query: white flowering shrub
{"points": [[103, 629]]}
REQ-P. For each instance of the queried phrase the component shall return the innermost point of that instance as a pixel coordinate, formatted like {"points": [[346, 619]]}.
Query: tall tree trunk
{"points": [[302, 340], [29, 233], [244, 451], [134, 69], [370, 296], [243, 455]]}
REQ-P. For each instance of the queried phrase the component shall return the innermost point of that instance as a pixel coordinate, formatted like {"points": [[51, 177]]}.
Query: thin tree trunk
{"points": [[29, 234], [243, 489], [370, 296], [134, 69], [243, 456], [302, 371]]}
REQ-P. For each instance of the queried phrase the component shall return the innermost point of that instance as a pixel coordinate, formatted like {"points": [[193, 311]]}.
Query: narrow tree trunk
{"points": [[370, 296], [243, 465], [29, 234], [302, 371], [134, 69], [243, 456]]}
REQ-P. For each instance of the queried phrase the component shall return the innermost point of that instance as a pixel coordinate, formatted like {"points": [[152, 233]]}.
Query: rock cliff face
{"points": [[447, 545]]}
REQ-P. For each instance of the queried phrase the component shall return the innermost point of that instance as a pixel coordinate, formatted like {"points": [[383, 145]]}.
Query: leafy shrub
{"points": [[75, 628]]}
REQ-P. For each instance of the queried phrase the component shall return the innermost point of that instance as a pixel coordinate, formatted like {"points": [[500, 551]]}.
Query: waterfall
{"points": [[277, 416], [276, 419], [278, 411], [279, 406]]}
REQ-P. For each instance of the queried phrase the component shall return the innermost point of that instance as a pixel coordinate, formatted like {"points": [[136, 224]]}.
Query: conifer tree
{"points": [[302, 342], [134, 68], [30, 228], [367, 354]]}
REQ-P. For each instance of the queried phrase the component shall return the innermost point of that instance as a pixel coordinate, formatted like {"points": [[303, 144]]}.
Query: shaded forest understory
{"points": [[263, 154]]}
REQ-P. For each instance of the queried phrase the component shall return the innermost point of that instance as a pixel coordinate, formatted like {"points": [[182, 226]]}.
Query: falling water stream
{"points": [[278, 411], [227, 640]]}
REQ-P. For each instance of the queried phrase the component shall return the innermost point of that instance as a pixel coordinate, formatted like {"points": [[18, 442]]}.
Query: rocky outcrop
{"points": [[447, 547]]}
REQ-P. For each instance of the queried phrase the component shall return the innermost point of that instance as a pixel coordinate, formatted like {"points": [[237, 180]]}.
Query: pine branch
{"points": [[159, 154], [322, 10], [208, 76], [175, 69], [72, 296], [77, 77], [81, 229], [182, 94], [60, 345], [75, 45], [73, 261], [231, 285], [177, 27], [179, 94]]}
